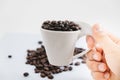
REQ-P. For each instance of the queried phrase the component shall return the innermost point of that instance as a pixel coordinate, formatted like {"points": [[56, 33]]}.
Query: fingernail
{"points": [[98, 29], [89, 38], [107, 75], [101, 67], [95, 56]]}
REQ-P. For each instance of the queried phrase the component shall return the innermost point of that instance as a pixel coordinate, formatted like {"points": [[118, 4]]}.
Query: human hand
{"points": [[103, 60]]}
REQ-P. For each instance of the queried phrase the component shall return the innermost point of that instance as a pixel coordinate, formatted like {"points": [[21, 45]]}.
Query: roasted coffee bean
{"points": [[37, 70], [77, 63], [32, 53], [34, 62], [70, 68], [43, 60], [71, 63], [83, 62], [53, 71], [66, 69], [50, 76], [78, 50], [46, 22], [43, 56], [42, 47], [28, 51], [39, 65], [46, 68], [26, 74], [9, 56], [58, 70], [40, 42], [47, 72], [27, 62], [43, 75], [80, 57]]}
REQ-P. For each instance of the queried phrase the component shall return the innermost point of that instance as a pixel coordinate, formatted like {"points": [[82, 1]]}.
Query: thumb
{"points": [[102, 39]]}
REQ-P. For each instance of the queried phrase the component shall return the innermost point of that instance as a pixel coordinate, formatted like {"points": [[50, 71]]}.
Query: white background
{"points": [[27, 15]]}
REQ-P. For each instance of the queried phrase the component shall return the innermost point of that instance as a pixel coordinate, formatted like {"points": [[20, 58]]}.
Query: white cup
{"points": [[60, 45]]}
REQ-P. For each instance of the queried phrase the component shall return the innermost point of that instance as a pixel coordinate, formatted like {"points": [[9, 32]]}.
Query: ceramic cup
{"points": [[60, 45]]}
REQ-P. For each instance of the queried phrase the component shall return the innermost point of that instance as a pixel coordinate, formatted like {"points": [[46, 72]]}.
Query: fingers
{"points": [[103, 39], [94, 55], [90, 41], [98, 48], [100, 75], [96, 66]]}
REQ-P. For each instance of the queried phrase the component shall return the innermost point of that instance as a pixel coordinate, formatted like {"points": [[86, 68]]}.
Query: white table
{"points": [[13, 69]]}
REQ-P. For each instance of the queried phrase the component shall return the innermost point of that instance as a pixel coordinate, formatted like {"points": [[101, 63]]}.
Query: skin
{"points": [[104, 57]]}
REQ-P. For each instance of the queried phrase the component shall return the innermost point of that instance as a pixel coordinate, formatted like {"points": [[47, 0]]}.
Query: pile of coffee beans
{"points": [[61, 25], [38, 58]]}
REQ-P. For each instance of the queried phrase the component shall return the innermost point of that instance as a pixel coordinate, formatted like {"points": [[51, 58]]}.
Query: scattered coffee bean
{"points": [[70, 68], [77, 63], [42, 75], [28, 51], [66, 69], [46, 68], [26, 74], [81, 57], [78, 50], [50, 76], [37, 70], [38, 58], [83, 62], [61, 25], [71, 64], [9, 56], [40, 42]]}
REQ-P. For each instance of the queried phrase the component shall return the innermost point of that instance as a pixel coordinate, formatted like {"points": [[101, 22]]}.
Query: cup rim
{"points": [[59, 31]]}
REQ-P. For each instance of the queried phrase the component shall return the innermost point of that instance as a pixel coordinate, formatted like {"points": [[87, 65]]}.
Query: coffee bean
{"points": [[27, 62], [39, 65], [43, 60], [47, 73], [71, 63], [40, 42], [53, 71], [70, 68], [9, 56], [50, 76], [80, 57], [46, 68], [42, 75], [28, 51], [78, 50], [83, 62], [46, 22], [77, 63], [43, 56], [66, 69], [42, 47], [26, 74], [58, 70], [37, 70]]}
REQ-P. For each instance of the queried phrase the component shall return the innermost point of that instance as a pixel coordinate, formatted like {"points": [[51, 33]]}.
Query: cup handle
{"points": [[85, 30]]}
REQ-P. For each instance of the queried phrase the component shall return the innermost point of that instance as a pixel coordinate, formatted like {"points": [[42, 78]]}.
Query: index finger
{"points": [[90, 42]]}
